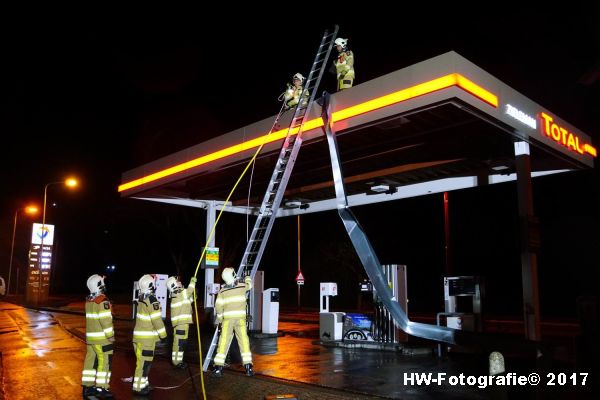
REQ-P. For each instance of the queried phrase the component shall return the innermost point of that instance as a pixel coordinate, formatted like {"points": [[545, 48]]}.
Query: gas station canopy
{"points": [[438, 125]]}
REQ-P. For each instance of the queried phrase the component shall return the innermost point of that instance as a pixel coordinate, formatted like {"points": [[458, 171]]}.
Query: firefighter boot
{"points": [[249, 371], [89, 391], [105, 393]]}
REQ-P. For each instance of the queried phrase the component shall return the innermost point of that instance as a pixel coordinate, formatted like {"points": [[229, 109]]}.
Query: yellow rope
{"points": [[210, 236]]}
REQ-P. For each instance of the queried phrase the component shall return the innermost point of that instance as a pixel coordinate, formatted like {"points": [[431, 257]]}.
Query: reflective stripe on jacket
{"points": [[292, 96], [98, 320], [149, 326], [231, 301], [181, 306], [344, 65]]}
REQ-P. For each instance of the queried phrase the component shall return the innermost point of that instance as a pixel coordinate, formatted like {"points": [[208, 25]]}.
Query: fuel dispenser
{"points": [[270, 311], [383, 328], [462, 304], [255, 304], [331, 324]]}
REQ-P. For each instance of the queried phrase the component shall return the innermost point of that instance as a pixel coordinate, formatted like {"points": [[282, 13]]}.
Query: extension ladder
{"points": [[281, 174]]}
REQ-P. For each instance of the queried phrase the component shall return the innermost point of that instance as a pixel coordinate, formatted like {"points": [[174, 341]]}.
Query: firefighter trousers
{"points": [[97, 365], [180, 337], [144, 354], [228, 327]]}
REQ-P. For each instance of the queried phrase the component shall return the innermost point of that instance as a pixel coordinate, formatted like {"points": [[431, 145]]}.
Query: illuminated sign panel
{"points": [[521, 116], [421, 89], [40, 263], [562, 136], [38, 233]]}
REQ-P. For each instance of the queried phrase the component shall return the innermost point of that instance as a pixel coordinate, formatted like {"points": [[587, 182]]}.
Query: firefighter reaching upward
{"points": [[181, 317], [230, 309], [344, 64], [100, 336], [149, 329]]}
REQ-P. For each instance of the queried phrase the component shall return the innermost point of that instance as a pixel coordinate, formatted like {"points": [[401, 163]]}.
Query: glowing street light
{"points": [[32, 210]]}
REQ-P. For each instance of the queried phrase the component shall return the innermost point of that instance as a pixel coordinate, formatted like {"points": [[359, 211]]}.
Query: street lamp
{"points": [[29, 210], [70, 183]]}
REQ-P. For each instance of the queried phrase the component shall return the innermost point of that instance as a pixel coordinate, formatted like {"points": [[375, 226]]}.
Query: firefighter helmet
{"points": [[173, 283], [95, 284], [298, 76], [228, 275], [341, 42], [147, 284]]}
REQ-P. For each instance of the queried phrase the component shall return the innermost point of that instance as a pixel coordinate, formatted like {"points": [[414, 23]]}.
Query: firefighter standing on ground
{"points": [[230, 308], [149, 329], [292, 95], [100, 336], [181, 317], [344, 64]]}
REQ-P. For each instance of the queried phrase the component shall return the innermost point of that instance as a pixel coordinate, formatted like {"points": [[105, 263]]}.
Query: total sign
{"points": [[551, 129], [562, 136]]}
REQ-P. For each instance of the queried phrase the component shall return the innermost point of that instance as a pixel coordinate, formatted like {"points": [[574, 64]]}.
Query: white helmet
{"points": [[341, 42], [228, 275], [173, 283], [95, 284], [298, 76], [146, 284]]}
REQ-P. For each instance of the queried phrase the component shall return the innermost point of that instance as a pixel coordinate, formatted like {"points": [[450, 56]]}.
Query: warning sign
{"points": [[300, 279]]}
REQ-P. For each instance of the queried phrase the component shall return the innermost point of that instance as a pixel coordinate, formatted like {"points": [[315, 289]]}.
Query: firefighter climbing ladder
{"points": [[281, 174]]}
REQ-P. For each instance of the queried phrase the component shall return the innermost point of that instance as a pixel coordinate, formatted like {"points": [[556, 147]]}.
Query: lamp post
{"points": [[71, 183], [29, 210]]}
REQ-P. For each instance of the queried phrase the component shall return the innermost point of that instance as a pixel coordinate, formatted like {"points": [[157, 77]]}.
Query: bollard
{"points": [[496, 367], [496, 363]]}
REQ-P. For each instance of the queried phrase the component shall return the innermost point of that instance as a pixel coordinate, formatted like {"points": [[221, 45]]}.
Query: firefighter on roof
{"points": [[344, 64]]}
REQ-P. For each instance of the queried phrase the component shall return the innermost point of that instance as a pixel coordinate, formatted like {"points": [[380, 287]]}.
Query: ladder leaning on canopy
{"points": [[281, 174]]}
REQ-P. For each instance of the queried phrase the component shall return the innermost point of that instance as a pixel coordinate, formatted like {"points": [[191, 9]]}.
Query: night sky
{"points": [[95, 95]]}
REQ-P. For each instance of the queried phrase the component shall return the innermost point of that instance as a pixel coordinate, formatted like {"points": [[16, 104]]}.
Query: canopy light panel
{"points": [[412, 92]]}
